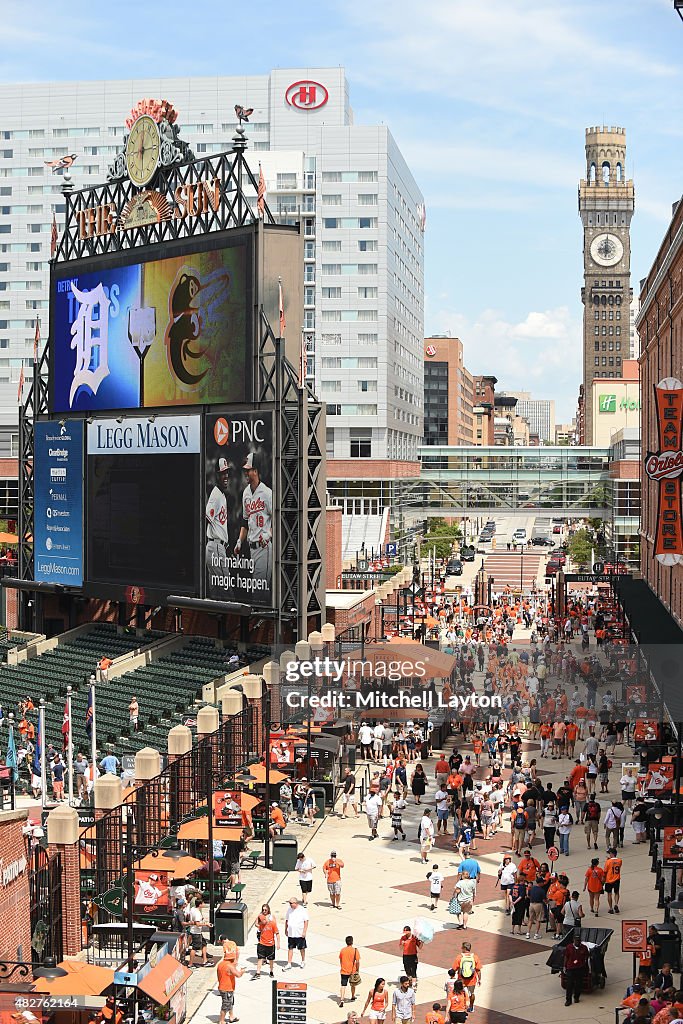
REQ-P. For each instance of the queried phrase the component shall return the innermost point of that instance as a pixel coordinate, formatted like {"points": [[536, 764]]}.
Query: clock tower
{"points": [[606, 203]]}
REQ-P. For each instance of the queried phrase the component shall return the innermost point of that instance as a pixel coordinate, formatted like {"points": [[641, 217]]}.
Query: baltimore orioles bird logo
{"points": [[194, 320], [62, 163]]}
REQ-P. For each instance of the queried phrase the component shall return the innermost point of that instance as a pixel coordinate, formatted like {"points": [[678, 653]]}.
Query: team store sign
{"points": [[665, 467]]}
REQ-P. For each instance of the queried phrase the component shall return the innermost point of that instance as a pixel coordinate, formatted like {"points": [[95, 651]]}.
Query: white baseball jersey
{"points": [[217, 516], [257, 509]]}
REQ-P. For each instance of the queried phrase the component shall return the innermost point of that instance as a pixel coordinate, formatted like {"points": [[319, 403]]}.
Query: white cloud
{"points": [[541, 353]]}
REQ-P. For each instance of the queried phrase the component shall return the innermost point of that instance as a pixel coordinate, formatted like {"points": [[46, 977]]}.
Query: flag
{"points": [[53, 236], [11, 758], [21, 386], [283, 322], [261, 192], [89, 714], [36, 340], [38, 753], [66, 724]]}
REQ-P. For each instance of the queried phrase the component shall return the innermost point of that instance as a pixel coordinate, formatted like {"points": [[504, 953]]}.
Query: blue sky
{"points": [[488, 100]]}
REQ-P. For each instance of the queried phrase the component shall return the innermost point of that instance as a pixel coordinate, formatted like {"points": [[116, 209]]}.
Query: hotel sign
{"points": [[665, 467]]}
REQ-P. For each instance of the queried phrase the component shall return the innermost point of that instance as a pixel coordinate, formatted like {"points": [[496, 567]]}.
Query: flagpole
{"points": [[70, 748], [43, 770], [93, 730]]}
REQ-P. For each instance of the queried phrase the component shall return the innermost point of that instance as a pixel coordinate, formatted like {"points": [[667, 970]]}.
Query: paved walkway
{"points": [[384, 888]]}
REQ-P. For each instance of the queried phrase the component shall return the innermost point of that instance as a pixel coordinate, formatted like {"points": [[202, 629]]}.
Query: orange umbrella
{"points": [[198, 828], [81, 980], [259, 773], [180, 868]]}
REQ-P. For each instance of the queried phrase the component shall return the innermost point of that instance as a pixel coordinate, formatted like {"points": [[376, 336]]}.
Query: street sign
{"points": [[362, 565], [633, 936], [111, 900], [598, 568], [591, 577], [349, 574], [289, 1002], [392, 549], [553, 853]]}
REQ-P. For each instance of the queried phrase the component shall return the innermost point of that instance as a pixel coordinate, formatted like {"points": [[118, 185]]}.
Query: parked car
{"points": [[454, 567]]}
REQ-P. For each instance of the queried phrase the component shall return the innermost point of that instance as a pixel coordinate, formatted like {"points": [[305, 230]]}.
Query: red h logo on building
{"points": [[306, 95]]}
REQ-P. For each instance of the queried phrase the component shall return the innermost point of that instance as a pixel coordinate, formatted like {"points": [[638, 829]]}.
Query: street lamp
{"points": [[48, 969], [678, 8]]}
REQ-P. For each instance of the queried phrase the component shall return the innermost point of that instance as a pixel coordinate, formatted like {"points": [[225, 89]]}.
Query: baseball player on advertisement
{"points": [[257, 528], [217, 540]]}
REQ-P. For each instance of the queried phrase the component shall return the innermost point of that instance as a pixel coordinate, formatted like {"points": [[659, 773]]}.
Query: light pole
{"points": [[678, 8], [521, 570]]}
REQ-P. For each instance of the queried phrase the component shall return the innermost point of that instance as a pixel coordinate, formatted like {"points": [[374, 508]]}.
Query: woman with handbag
{"points": [[462, 899], [573, 912], [378, 1001]]}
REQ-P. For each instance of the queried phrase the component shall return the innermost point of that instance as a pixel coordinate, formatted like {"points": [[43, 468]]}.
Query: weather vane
{"points": [[243, 113]]}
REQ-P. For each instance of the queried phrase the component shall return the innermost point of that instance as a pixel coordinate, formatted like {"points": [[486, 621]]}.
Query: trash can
{"points": [[319, 795], [669, 938], [285, 849], [231, 922]]}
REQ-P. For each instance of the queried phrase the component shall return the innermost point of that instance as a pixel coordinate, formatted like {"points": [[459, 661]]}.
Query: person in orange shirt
{"points": [[467, 967], [570, 737], [377, 1001], [433, 1016], [349, 965], [477, 747], [558, 894], [457, 1003], [409, 945], [545, 732], [527, 867], [277, 821], [332, 871], [594, 882], [227, 971], [632, 1001], [613, 880], [578, 772]]}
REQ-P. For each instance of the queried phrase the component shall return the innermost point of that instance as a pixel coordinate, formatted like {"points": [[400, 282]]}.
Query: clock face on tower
{"points": [[606, 250], [142, 150]]}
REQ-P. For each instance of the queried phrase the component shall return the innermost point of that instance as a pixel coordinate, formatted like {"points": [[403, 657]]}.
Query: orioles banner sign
{"points": [[665, 467]]}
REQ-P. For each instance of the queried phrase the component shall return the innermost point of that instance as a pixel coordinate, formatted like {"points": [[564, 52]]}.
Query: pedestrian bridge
{"points": [[562, 481]]}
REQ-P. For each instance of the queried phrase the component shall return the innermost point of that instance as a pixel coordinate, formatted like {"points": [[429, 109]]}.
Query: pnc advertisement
{"points": [[163, 332], [238, 509]]}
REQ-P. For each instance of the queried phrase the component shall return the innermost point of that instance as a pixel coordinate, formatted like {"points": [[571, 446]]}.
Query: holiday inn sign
{"points": [[608, 403]]}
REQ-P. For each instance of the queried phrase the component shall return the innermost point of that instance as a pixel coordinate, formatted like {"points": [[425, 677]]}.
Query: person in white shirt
{"points": [[377, 736], [197, 927], [436, 880], [373, 806], [365, 738], [305, 867], [296, 926]]}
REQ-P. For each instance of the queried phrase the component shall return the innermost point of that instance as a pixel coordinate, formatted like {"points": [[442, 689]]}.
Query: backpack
{"points": [[520, 819], [467, 966]]}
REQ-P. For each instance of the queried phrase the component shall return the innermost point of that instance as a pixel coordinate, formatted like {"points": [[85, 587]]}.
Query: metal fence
{"points": [[45, 895]]}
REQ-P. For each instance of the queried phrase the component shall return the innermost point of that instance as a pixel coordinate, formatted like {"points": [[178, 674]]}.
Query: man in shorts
{"points": [[197, 928], [349, 793], [332, 870], [296, 926], [591, 822], [612, 871], [227, 972]]}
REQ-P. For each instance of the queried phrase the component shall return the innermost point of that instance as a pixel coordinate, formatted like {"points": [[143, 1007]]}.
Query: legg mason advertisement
{"points": [[239, 507]]}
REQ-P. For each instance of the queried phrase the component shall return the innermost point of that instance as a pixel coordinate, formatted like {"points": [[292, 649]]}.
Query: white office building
{"points": [[539, 413], [362, 215]]}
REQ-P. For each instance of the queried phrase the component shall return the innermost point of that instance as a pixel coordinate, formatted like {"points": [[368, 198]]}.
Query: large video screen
{"points": [[130, 332], [238, 509], [143, 515]]}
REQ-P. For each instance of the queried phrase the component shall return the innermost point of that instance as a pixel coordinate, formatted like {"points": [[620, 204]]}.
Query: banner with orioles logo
{"points": [[665, 467]]}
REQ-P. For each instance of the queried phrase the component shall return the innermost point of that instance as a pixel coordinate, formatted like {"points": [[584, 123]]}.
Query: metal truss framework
{"points": [[300, 469], [301, 476]]}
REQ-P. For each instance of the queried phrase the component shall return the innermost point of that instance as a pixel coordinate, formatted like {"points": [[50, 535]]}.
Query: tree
{"points": [[580, 547]]}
